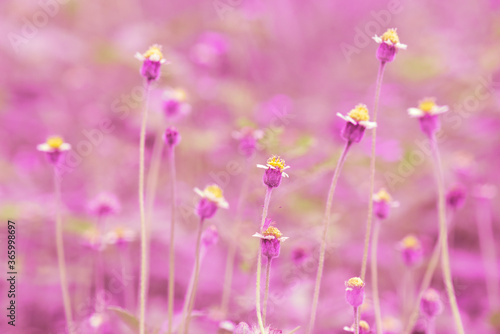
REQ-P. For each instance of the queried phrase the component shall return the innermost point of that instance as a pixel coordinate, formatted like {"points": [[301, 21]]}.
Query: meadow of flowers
{"points": [[250, 167]]}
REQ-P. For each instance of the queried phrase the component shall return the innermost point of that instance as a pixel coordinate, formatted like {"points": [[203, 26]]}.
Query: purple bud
{"points": [[150, 69], [271, 248], [171, 137], [355, 291], [411, 250], [242, 328], [381, 209], [272, 177], [353, 132], [386, 52], [209, 237], [431, 304], [55, 157], [429, 124], [456, 197], [206, 209]]}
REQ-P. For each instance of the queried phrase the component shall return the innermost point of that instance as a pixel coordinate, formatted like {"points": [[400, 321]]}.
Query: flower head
{"points": [[411, 250], [383, 203], [427, 113], [152, 60], [389, 45], [119, 236], [248, 138], [364, 328], [211, 199], [456, 197], [431, 304], [355, 291], [357, 121], [104, 204], [274, 167], [171, 137], [54, 147], [209, 237], [271, 239], [175, 103]]}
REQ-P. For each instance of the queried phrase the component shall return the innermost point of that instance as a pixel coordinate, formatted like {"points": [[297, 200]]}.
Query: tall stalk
{"points": [[171, 273], [326, 223], [369, 219], [374, 274]]}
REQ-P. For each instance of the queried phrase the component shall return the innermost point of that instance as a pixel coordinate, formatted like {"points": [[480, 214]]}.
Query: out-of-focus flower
{"points": [[485, 191], [355, 291], [300, 255], [389, 45], [227, 325], [411, 250], [152, 60], [209, 237], [364, 328], [209, 49], [391, 325], [92, 239], [357, 121], [244, 328], [383, 203], [54, 147], [427, 113], [171, 137], [119, 236], [274, 167], [104, 204], [175, 103], [271, 240], [96, 320], [431, 304], [456, 197], [211, 199], [248, 138]]}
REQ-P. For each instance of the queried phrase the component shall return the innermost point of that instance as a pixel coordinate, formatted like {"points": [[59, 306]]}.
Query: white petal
{"points": [[44, 147], [415, 112], [283, 238], [368, 125], [377, 39], [401, 46], [388, 42], [199, 192], [258, 235], [343, 117], [65, 147], [351, 120], [222, 203], [284, 174], [285, 168], [439, 110], [139, 56], [262, 166]]}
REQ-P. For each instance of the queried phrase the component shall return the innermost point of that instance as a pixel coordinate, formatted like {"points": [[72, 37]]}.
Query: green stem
{"points": [[266, 292], [372, 170], [60, 255], [326, 223], [171, 273], [443, 236], [142, 293], [373, 265]]}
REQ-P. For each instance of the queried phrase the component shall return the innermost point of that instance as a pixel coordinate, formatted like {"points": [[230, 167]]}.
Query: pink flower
{"points": [[383, 203], [54, 147], [431, 304], [175, 103], [152, 61], [357, 121], [248, 138], [355, 291], [411, 250], [211, 199], [104, 204], [271, 240], [427, 113], [274, 167], [389, 45], [364, 328]]}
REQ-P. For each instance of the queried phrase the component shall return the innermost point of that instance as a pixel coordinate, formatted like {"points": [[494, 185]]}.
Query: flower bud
{"points": [[171, 137], [431, 304], [455, 198], [206, 208], [355, 291], [411, 250]]}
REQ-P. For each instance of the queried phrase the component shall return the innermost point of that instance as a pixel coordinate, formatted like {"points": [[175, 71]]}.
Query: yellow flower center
{"points": [[271, 230], [383, 195], [180, 94], [359, 113], [364, 325], [426, 105], [411, 242], [276, 162], [120, 232], [391, 35], [55, 142], [155, 52], [215, 191], [355, 282]]}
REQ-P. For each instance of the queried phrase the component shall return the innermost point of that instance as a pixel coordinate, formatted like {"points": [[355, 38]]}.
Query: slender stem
{"points": [[267, 199], [373, 264], [231, 254], [326, 223], [60, 255], [99, 280], [194, 286], [266, 292], [142, 293], [356, 320], [488, 252], [431, 326], [294, 330], [443, 236], [171, 271], [369, 219], [125, 266], [151, 185], [426, 281]]}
